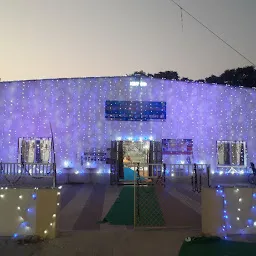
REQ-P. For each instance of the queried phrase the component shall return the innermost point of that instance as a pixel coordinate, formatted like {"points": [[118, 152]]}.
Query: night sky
{"points": [[80, 38]]}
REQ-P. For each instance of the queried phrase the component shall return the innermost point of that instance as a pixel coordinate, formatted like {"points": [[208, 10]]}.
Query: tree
{"points": [[212, 79], [245, 76], [139, 73], [237, 77], [186, 79], [169, 75]]}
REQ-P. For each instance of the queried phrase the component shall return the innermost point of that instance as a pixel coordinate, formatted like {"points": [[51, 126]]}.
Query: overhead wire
{"points": [[212, 32]]}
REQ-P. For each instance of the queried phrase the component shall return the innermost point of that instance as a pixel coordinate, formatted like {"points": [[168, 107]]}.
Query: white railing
{"points": [[173, 170], [27, 169], [228, 169], [195, 174], [185, 170]]}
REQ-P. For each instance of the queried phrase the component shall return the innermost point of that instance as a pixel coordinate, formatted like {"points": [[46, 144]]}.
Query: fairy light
{"points": [[205, 113], [229, 215], [51, 225], [25, 215]]}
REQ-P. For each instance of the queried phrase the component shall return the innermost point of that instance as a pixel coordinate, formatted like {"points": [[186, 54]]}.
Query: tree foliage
{"points": [[245, 76], [237, 77], [169, 75], [139, 73]]}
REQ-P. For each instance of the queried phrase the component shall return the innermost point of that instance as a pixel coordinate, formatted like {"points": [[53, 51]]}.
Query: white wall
{"points": [[18, 212], [228, 211], [28, 211]]}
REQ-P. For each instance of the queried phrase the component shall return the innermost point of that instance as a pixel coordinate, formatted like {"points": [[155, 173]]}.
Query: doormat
{"points": [[215, 246], [147, 214]]}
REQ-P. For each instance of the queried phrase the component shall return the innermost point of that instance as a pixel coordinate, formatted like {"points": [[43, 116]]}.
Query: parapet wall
{"points": [[29, 211], [228, 211]]}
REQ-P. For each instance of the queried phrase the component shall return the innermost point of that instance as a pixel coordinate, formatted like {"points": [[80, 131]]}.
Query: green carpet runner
{"points": [[147, 214], [214, 246]]}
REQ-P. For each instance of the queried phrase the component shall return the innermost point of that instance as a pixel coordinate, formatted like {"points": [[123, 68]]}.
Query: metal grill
{"points": [[152, 201]]}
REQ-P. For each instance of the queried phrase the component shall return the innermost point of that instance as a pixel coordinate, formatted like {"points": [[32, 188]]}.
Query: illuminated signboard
{"points": [[135, 110]]}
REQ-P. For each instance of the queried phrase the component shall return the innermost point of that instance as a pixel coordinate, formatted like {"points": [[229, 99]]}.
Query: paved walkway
{"points": [[83, 206], [100, 243], [105, 243]]}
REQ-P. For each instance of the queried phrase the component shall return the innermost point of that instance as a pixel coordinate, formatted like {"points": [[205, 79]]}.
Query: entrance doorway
{"points": [[125, 154]]}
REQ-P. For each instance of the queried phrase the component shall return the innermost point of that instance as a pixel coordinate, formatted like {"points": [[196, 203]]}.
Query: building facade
{"points": [[219, 120]]}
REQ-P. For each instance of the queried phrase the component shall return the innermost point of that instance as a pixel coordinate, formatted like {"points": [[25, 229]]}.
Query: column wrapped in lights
{"points": [[239, 210], [26, 222]]}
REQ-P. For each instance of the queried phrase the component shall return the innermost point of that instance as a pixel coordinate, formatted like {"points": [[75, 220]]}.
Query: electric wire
{"points": [[211, 31]]}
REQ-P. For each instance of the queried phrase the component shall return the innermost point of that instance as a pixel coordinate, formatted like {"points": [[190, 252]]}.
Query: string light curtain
{"points": [[205, 113]]}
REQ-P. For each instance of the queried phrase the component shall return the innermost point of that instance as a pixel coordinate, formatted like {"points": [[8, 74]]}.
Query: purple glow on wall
{"points": [[76, 109]]}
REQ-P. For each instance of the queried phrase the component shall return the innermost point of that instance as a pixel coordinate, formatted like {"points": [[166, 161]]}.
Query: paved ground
{"points": [[83, 206], [103, 243], [106, 243]]}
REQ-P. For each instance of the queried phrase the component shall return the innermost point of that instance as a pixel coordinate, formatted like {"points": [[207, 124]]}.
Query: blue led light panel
{"points": [[135, 110]]}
